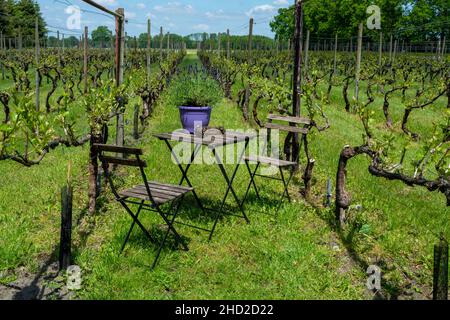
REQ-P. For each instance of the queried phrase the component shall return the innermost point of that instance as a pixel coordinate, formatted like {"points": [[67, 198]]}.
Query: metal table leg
{"points": [[229, 188]]}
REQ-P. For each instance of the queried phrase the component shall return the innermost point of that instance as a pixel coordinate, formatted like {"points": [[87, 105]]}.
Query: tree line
{"points": [[102, 37], [18, 17], [411, 20]]}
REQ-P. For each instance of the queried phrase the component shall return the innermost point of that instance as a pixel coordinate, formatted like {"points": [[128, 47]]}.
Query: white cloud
{"points": [[219, 14], [130, 14], [281, 2], [201, 27], [141, 5], [175, 8], [107, 2], [265, 8]]}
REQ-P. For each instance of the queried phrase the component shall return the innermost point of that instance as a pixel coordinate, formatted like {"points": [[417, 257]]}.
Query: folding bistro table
{"points": [[212, 142]]}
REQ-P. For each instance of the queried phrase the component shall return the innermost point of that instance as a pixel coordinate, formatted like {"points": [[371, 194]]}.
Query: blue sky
{"points": [[178, 16]]}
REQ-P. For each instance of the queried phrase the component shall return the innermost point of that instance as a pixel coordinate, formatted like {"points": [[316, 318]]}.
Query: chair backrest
{"points": [[124, 160], [290, 124], [106, 160]]}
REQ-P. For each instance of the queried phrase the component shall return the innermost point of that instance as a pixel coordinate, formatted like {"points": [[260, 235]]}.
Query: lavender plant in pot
{"points": [[195, 96]]}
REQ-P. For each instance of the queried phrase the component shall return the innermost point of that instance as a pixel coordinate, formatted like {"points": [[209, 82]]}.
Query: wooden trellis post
{"points": [[148, 51], [358, 61], [85, 60], [395, 52], [113, 59], [2, 47], [335, 53], [210, 42], [120, 61], [250, 38], [59, 46], [168, 42], [443, 47], [37, 49], [307, 50], [161, 36], [390, 50], [20, 40], [228, 44], [380, 50], [297, 76]]}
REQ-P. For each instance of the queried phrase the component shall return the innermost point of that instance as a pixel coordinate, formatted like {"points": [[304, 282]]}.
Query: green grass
{"points": [[297, 256]]}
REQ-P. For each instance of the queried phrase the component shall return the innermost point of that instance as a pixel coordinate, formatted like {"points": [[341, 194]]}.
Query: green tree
{"points": [[18, 17], [71, 42], [102, 37], [24, 14], [425, 19]]}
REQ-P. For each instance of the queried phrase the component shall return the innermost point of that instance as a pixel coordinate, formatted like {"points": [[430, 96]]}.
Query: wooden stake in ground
{"points": [[358, 61], [440, 271], [37, 51], [136, 122], [65, 245]]}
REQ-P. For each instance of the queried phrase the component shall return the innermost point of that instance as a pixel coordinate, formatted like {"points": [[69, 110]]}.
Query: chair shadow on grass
{"points": [[138, 240]]}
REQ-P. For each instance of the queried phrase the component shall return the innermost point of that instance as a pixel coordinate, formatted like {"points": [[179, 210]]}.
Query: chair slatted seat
{"points": [[161, 193], [271, 161]]}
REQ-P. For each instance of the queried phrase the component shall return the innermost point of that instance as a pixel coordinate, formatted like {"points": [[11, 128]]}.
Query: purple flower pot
{"points": [[191, 116]]}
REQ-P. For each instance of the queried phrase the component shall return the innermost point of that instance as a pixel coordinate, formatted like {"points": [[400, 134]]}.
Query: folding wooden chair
{"points": [[149, 196], [290, 124]]}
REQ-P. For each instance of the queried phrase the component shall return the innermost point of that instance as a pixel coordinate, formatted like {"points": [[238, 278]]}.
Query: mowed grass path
{"points": [[289, 258]]}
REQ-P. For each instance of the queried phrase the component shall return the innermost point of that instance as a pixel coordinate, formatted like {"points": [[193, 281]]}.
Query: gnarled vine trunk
{"points": [[343, 198]]}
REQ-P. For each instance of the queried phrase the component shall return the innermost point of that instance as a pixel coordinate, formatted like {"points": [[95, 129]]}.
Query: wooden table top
{"points": [[212, 140]]}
